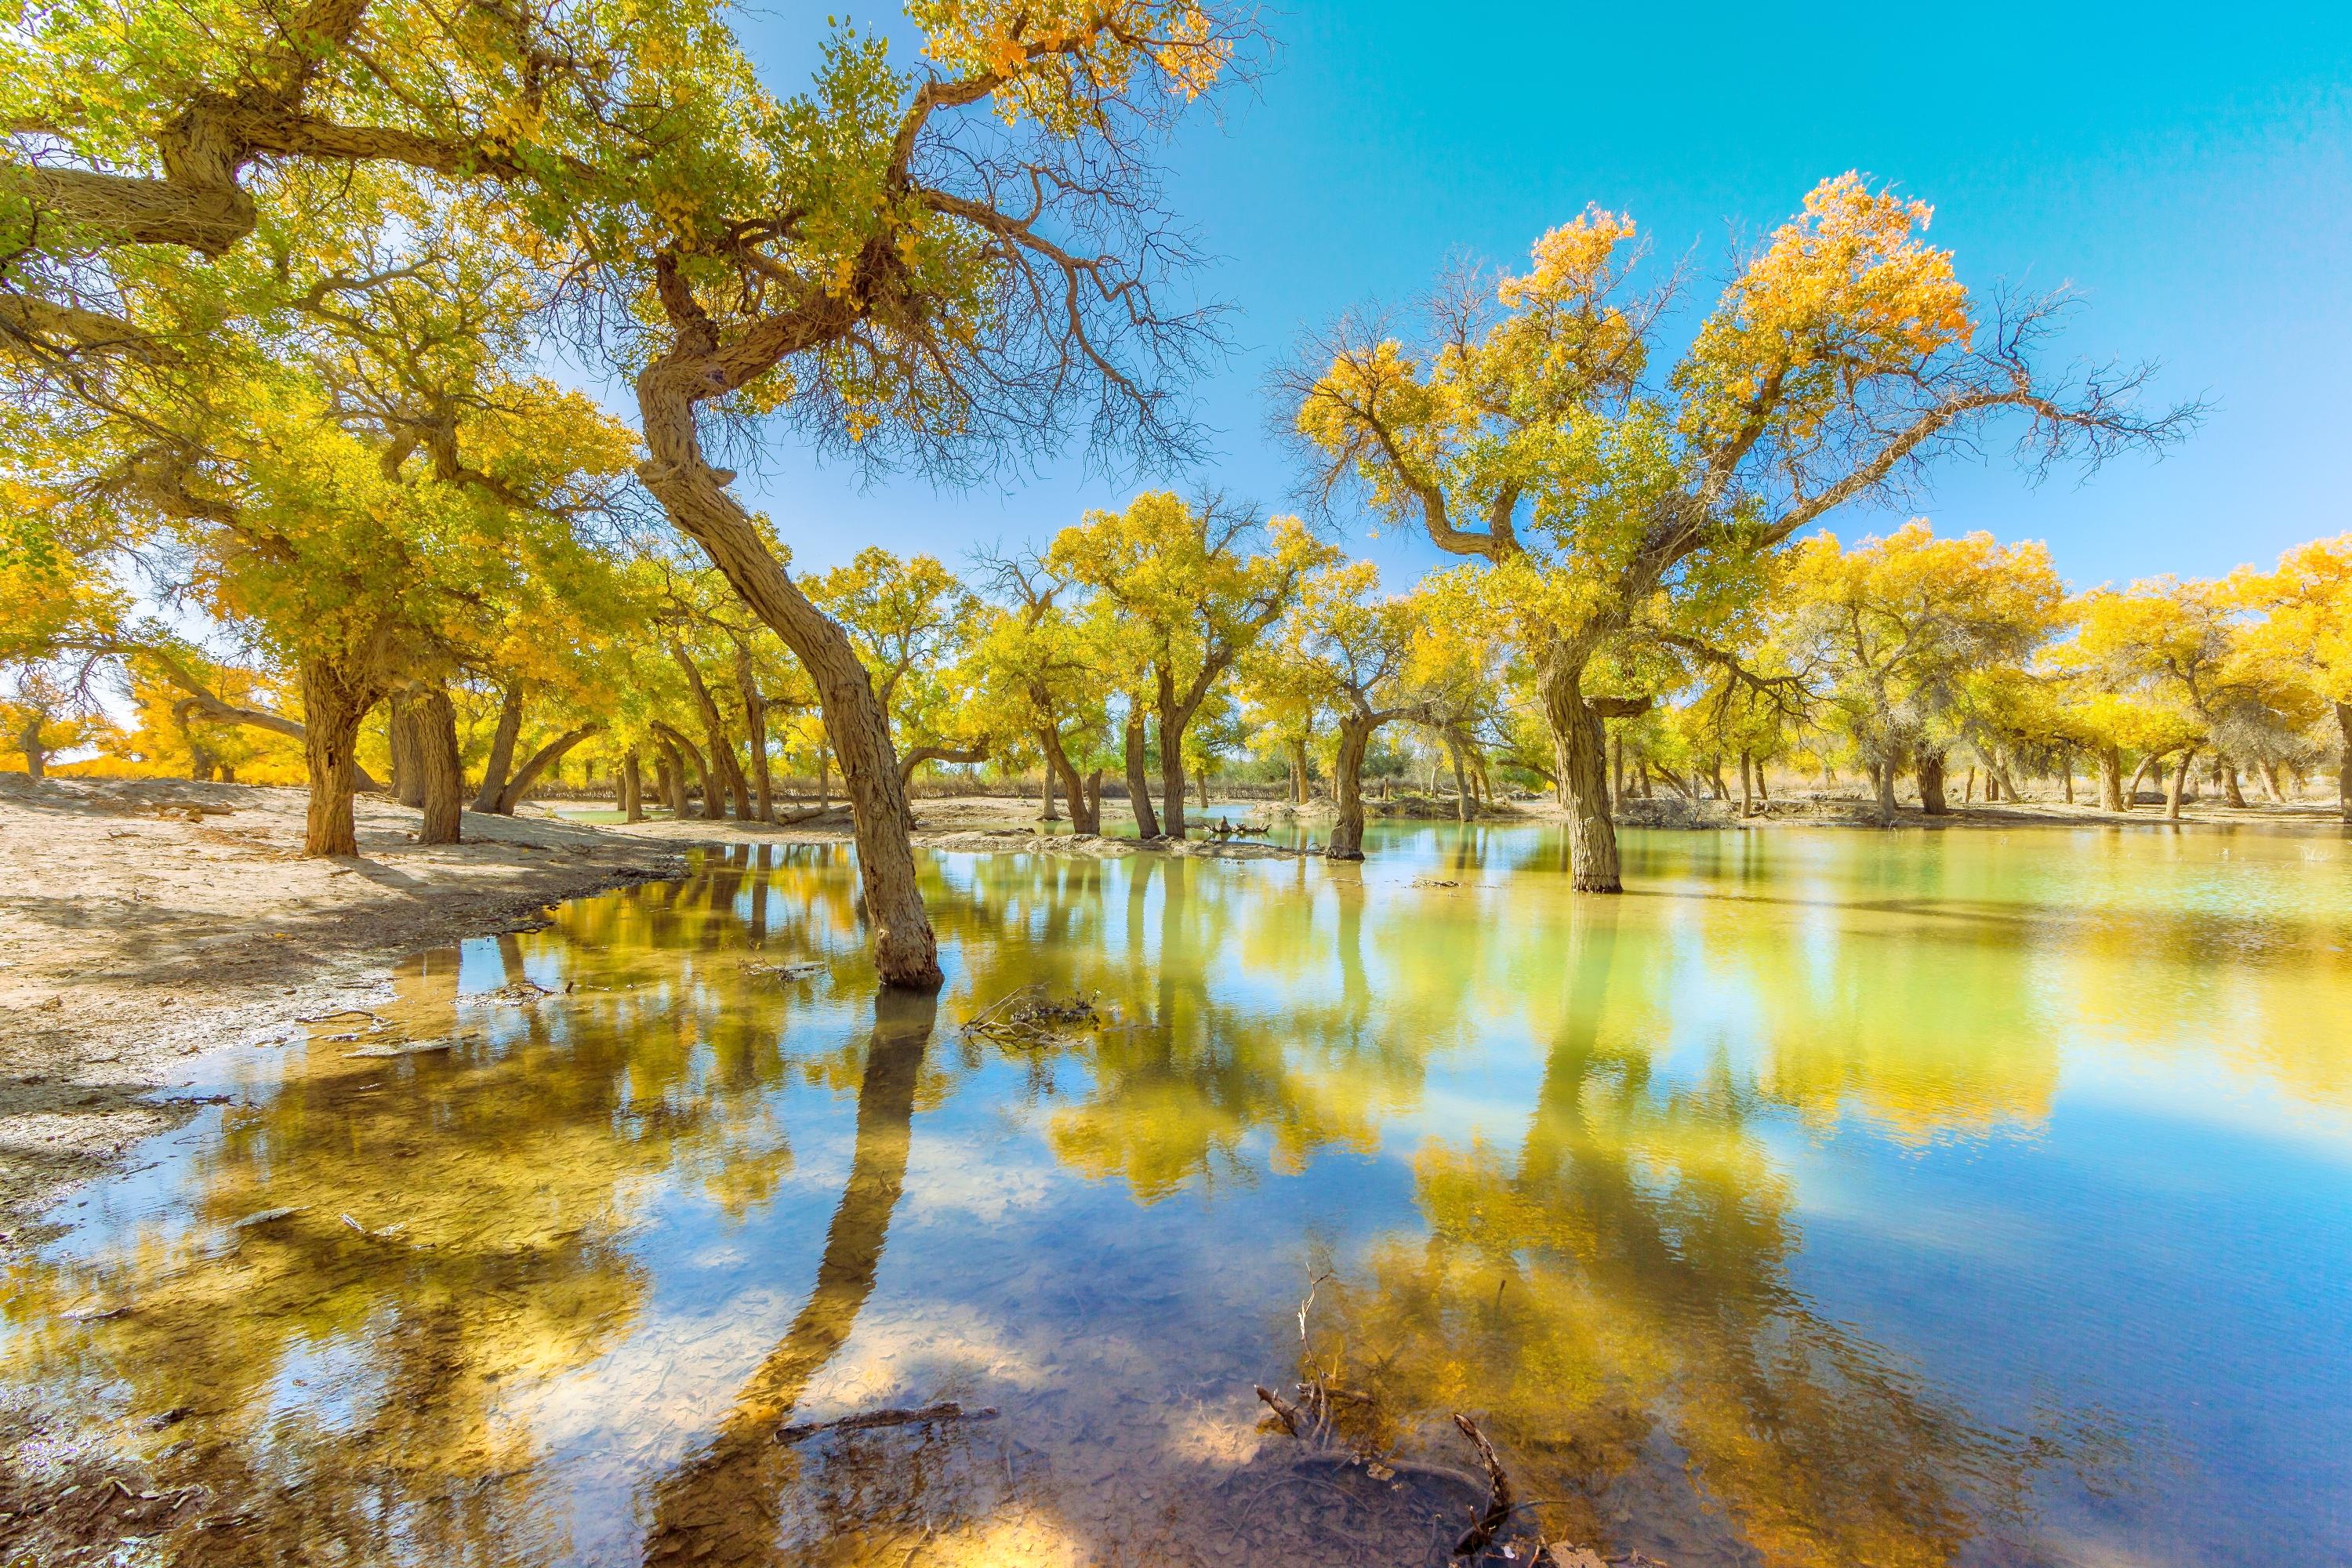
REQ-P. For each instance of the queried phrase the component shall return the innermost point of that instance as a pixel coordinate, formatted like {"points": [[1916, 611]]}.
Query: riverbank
{"points": [[142, 921]]}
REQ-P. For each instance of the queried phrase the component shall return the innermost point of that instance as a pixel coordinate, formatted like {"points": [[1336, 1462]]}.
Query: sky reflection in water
{"points": [[1830, 1198]]}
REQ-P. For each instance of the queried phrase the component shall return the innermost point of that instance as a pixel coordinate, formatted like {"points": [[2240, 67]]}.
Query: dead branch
{"points": [[946, 1410]]}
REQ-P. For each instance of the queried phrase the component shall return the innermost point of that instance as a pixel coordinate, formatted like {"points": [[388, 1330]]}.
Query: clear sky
{"points": [[2189, 169]]}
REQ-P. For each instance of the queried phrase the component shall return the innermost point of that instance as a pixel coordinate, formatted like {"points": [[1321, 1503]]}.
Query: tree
{"points": [[1897, 633], [918, 268], [2308, 627], [1353, 653], [1042, 666], [1192, 585], [1842, 358], [912, 623]]}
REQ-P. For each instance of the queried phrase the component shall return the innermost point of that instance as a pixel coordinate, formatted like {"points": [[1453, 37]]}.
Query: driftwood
{"points": [[947, 1410], [1032, 1015]]}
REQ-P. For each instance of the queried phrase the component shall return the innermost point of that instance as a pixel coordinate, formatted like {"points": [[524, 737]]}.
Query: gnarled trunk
{"points": [[2237, 795], [2111, 778], [433, 720], [333, 703], [695, 497], [502, 745], [1138, 786], [37, 755], [1348, 785], [1931, 785], [1580, 751]]}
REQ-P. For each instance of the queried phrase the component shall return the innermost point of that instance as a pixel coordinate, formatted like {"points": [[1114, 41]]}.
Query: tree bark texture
{"points": [[632, 787], [1172, 723], [433, 721], [407, 747], [697, 499], [1931, 785], [1138, 786], [501, 761], [333, 703], [1348, 784], [1580, 751]]}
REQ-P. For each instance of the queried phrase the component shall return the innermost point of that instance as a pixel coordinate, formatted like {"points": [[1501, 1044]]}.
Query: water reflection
{"points": [[1642, 1182]]}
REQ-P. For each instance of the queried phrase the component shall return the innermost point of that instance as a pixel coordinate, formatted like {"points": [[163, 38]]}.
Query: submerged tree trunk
{"points": [[1347, 783], [695, 497], [1580, 751], [333, 703], [632, 787], [755, 732], [432, 719], [1931, 785], [1138, 786], [2172, 796], [502, 745]]}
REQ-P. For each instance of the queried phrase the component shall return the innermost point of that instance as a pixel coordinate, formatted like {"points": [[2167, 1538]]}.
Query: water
{"points": [[1832, 1197]]}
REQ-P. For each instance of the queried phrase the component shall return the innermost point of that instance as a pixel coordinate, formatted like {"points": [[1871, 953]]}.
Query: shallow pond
{"points": [[1832, 1197]]}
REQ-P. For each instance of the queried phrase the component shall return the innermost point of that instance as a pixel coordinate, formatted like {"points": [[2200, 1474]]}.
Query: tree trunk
{"points": [[2229, 786], [1616, 770], [2180, 784], [1138, 787], [1046, 809], [2066, 770], [1763, 792], [714, 730], [1085, 811], [547, 756], [502, 745], [407, 746], [672, 770], [692, 753], [1172, 724], [1299, 775], [1746, 783], [1461, 780], [2344, 759], [37, 755], [2131, 795], [2111, 778], [2271, 783], [1931, 785], [333, 703], [695, 496], [1347, 783], [1580, 751], [433, 723], [755, 732], [1881, 778], [1094, 802], [632, 787]]}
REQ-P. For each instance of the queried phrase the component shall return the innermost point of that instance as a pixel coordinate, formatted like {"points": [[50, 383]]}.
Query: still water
{"points": [[1830, 1198]]}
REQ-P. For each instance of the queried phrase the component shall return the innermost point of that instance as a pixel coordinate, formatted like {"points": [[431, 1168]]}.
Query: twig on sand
{"points": [[947, 1410]]}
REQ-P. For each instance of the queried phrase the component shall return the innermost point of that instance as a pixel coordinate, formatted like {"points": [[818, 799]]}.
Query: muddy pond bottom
{"points": [[1830, 1198]]}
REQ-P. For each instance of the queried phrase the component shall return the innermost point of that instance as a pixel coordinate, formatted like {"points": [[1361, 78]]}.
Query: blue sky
{"points": [[2188, 170]]}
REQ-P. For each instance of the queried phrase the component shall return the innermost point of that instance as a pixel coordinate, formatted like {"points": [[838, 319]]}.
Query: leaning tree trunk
{"points": [[695, 497], [1931, 785], [755, 732], [672, 768], [546, 757], [714, 730], [2131, 794], [432, 724], [692, 753], [1348, 784], [1138, 787], [333, 703], [1085, 815], [1581, 753], [502, 746], [2179, 787]]}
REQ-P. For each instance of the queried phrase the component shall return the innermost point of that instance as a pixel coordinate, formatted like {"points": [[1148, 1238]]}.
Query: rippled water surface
{"points": [[1830, 1198]]}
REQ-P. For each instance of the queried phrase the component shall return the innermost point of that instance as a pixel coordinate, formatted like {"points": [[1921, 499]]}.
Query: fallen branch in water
{"points": [[1499, 1501], [947, 1410], [1032, 1015]]}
